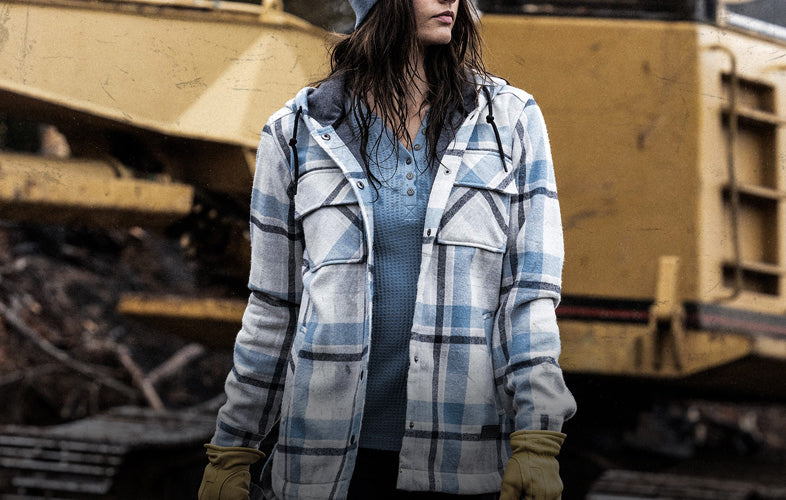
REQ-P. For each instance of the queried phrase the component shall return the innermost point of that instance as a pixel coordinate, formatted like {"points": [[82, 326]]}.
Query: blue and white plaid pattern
{"points": [[484, 345]]}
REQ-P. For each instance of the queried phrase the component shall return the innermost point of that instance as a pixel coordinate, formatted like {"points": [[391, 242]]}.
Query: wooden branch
{"points": [[138, 377], [89, 371], [175, 362], [28, 373]]}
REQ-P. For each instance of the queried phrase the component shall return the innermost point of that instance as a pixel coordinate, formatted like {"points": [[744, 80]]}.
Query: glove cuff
{"points": [[226, 457], [547, 443]]}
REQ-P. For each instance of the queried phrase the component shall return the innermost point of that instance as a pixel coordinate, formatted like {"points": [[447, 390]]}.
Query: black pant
{"points": [[374, 478]]}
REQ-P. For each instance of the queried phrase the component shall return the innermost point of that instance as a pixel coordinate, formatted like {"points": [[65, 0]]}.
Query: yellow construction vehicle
{"points": [[668, 129], [666, 121]]}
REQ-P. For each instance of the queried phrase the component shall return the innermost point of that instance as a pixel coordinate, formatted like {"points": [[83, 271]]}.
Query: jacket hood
{"points": [[325, 103]]}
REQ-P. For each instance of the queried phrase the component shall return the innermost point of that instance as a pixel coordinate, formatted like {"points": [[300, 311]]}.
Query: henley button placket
{"points": [[409, 183], [399, 213]]}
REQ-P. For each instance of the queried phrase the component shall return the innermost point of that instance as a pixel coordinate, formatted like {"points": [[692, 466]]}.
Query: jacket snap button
{"points": [[410, 191], [416, 147], [409, 161], [360, 185], [326, 137]]}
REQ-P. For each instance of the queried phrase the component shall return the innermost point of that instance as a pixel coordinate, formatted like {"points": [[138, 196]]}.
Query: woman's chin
{"points": [[435, 39]]}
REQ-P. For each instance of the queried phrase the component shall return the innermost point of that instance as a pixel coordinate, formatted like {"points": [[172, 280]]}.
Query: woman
{"points": [[407, 254]]}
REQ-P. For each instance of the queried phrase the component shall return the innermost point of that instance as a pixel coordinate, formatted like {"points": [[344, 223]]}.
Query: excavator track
{"points": [[105, 456]]}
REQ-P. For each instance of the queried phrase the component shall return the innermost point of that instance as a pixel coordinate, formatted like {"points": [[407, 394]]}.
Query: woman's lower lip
{"points": [[445, 19]]}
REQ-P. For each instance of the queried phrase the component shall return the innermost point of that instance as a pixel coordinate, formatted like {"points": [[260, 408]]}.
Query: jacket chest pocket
{"points": [[330, 215], [477, 213]]}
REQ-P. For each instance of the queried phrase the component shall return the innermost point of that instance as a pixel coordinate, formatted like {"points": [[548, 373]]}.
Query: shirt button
{"points": [[326, 137], [410, 175], [352, 440], [411, 425], [360, 185], [410, 191], [409, 161], [416, 147], [416, 359]]}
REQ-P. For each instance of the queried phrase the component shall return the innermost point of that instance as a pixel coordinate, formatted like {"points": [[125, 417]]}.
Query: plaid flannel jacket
{"points": [[484, 343]]}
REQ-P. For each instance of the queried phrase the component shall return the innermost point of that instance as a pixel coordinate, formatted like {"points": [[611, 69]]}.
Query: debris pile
{"points": [[65, 353]]}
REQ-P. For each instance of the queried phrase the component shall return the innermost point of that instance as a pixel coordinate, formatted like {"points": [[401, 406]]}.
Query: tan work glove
{"points": [[227, 476], [532, 472]]}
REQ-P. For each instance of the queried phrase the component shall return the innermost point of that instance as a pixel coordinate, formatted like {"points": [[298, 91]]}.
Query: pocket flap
{"points": [[321, 188], [483, 170]]}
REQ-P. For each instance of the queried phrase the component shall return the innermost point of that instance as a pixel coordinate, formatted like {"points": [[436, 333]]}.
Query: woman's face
{"points": [[435, 20]]}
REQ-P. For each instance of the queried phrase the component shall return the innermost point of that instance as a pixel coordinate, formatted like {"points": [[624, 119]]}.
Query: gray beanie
{"points": [[361, 8]]}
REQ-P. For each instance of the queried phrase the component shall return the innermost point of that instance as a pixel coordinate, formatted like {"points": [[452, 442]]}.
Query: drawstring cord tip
{"points": [[293, 145], [490, 119]]}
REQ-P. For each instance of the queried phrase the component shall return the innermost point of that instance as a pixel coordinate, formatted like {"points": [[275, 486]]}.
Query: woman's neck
{"points": [[416, 97]]}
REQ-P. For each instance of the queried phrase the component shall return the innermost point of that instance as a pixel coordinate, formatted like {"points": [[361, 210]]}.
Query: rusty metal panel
{"points": [[212, 321], [40, 189], [212, 71]]}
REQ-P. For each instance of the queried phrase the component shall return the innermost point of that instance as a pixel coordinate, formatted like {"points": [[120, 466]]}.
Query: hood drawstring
{"points": [[293, 145], [490, 119]]}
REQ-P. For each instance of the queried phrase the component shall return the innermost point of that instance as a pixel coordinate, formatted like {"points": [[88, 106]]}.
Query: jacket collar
{"points": [[326, 103]]}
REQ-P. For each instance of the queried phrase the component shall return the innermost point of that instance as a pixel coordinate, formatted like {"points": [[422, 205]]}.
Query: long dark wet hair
{"points": [[376, 62]]}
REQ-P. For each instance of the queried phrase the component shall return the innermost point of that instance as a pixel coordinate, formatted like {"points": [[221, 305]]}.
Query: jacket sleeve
{"points": [[255, 384], [526, 324]]}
